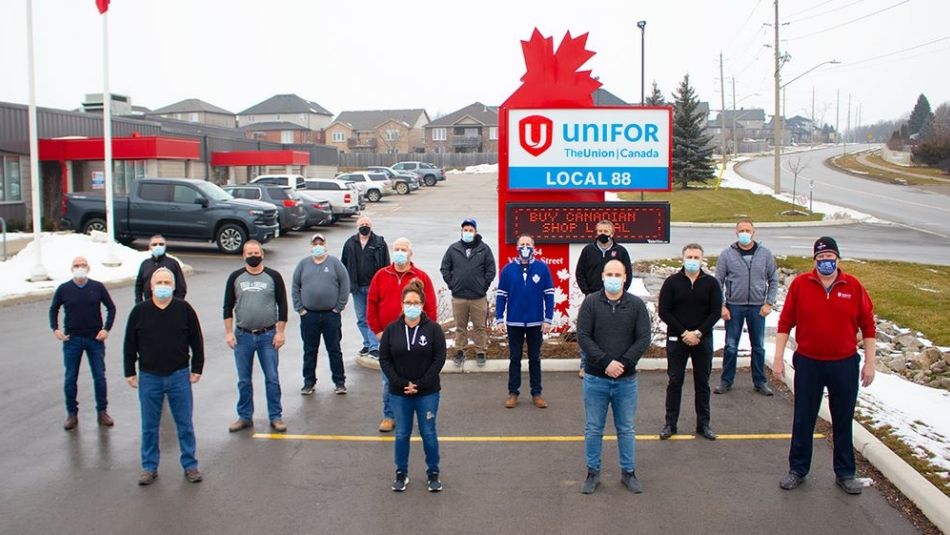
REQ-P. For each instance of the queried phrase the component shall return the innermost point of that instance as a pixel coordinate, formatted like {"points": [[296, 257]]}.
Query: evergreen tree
{"points": [[692, 154], [920, 116], [656, 97]]}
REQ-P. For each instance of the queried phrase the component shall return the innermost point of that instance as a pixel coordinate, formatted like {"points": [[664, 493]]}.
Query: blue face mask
{"points": [[412, 311], [692, 265], [526, 252], [158, 251], [318, 250], [468, 237], [400, 257], [827, 267], [163, 292], [745, 238], [613, 284]]}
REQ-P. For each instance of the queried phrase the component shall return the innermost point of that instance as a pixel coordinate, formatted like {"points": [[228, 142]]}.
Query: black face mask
{"points": [[254, 261], [365, 230], [603, 238]]}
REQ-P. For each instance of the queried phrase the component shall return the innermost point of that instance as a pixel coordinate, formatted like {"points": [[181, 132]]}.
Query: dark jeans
{"points": [[425, 408], [312, 326], [677, 353], [811, 378], [749, 315], [359, 306], [72, 357], [152, 392], [263, 345], [516, 339]]}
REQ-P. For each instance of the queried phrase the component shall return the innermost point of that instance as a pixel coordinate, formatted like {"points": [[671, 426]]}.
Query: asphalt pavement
{"points": [[504, 470]]}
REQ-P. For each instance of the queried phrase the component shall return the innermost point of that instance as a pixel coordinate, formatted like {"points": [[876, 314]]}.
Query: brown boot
{"points": [[539, 402], [105, 420], [387, 425], [279, 426], [71, 422], [511, 401], [240, 424]]}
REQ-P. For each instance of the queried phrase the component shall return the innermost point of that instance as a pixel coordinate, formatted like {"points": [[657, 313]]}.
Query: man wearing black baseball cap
{"points": [[826, 307]]}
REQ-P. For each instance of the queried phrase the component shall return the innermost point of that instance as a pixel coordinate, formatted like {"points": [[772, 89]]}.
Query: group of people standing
{"points": [[396, 312]]}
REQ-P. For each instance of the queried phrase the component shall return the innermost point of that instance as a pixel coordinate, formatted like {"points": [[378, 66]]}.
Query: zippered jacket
{"points": [[747, 283], [525, 296]]}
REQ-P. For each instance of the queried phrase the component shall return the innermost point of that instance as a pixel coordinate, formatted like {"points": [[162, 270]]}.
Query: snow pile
{"points": [[480, 169], [58, 251]]}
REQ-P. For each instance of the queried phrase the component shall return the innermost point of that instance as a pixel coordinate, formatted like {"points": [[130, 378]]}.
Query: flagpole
{"points": [[38, 272], [111, 259]]}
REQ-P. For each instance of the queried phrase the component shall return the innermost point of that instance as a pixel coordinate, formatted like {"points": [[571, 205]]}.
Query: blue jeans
{"points": [[152, 392], [359, 304], [425, 409], [247, 345], [748, 314], [387, 398], [516, 339], [621, 395], [312, 326], [72, 356]]}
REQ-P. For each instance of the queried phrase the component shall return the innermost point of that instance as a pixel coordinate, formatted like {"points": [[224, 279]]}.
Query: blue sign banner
{"points": [[589, 178]]}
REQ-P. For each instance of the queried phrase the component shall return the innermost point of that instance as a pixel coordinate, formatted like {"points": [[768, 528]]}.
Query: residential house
{"points": [[473, 128], [196, 111], [283, 132], [803, 129], [288, 108], [379, 131]]}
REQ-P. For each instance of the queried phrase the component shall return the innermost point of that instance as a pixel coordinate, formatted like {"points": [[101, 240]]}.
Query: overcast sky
{"points": [[443, 55]]}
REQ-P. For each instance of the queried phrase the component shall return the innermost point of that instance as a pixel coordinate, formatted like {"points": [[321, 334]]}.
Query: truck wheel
{"points": [[402, 188], [231, 238], [95, 223], [429, 180], [373, 195]]}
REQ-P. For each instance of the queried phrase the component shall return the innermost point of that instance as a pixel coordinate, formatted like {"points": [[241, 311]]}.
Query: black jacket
{"points": [[687, 306], [468, 269], [590, 266], [412, 354], [143, 281], [376, 252], [608, 331]]}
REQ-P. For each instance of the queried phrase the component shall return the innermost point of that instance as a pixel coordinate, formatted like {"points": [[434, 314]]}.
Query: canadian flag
{"points": [[102, 5]]}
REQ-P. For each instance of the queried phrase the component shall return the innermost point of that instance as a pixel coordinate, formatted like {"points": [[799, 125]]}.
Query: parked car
{"points": [[373, 185], [290, 181], [290, 212], [178, 208], [344, 199], [430, 173], [404, 182], [319, 210]]}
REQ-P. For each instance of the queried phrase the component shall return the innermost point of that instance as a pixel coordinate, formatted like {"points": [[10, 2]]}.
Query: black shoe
{"points": [[374, 353], [459, 358], [364, 351], [307, 389], [592, 481], [706, 433], [722, 388], [480, 359], [629, 480], [435, 484], [791, 481], [849, 485], [667, 432], [401, 482], [764, 389]]}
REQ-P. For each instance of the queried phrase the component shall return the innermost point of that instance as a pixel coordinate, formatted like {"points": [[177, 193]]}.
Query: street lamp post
{"points": [[642, 25]]}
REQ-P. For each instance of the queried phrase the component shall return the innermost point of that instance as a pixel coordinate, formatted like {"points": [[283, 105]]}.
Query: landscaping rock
{"points": [[929, 356], [908, 341], [898, 365]]}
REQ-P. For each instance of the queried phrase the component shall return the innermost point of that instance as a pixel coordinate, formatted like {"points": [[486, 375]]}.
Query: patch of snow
{"points": [[480, 169]]}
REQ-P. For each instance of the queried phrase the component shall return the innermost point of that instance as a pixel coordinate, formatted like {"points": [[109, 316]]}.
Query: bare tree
{"points": [[795, 166]]}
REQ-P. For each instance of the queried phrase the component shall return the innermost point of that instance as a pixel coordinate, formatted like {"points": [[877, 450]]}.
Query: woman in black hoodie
{"points": [[411, 354]]}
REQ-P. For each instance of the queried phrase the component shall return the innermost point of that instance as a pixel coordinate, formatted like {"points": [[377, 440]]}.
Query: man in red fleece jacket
{"points": [[826, 307], [384, 305]]}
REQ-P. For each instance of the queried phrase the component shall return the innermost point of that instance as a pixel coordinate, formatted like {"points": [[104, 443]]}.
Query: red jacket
{"points": [[384, 302], [827, 322]]}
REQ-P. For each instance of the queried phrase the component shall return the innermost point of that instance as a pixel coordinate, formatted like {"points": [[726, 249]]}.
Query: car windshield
{"points": [[213, 191]]}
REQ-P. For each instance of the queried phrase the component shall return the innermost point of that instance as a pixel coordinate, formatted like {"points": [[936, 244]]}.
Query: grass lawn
{"points": [[725, 205], [895, 175]]}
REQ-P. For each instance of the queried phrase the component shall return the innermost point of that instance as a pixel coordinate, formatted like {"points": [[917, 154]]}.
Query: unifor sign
{"points": [[604, 149]]}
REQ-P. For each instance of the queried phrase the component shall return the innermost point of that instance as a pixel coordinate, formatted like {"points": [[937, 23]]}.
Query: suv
{"points": [[290, 211], [404, 182], [291, 181], [429, 173], [344, 200], [373, 185]]}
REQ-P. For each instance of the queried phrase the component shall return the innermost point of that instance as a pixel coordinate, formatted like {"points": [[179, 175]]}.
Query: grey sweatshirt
{"points": [[752, 282], [320, 287]]}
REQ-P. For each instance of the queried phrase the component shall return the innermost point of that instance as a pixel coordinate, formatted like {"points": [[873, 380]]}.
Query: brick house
{"points": [[287, 108], [283, 132], [473, 128], [380, 131], [196, 111]]}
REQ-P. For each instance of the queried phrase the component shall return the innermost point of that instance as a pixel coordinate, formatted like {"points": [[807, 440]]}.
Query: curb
{"points": [[547, 365], [933, 503]]}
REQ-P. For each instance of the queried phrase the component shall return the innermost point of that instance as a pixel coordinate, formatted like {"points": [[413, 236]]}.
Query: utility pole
{"points": [[812, 115], [776, 120], [837, 116], [722, 116], [735, 143], [848, 126]]}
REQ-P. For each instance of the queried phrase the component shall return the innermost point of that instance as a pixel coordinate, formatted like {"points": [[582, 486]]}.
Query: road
{"points": [[918, 208], [83, 482]]}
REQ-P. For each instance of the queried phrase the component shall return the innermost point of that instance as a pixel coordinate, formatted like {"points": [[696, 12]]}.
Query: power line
{"points": [[746, 21], [839, 8], [899, 51], [852, 21], [810, 8]]}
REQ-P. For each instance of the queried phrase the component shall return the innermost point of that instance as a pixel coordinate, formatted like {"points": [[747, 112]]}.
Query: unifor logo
{"points": [[535, 133]]}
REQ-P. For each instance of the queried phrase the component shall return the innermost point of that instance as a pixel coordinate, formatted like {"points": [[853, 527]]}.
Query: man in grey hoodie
{"points": [[748, 275]]}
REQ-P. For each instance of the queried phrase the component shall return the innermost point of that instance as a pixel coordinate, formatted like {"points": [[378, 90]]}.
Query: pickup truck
{"points": [[177, 208]]}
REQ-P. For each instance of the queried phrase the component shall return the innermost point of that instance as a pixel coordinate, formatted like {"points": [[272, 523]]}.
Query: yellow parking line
{"points": [[504, 439]]}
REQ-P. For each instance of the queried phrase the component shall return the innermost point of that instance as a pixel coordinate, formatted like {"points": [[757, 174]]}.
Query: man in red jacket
{"points": [[384, 305], [826, 307]]}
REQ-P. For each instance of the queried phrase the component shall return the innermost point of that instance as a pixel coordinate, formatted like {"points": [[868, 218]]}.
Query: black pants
{"points": [[677, 353], [811, 378]]}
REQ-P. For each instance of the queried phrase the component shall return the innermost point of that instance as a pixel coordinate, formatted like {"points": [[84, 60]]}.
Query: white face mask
{"points": [[80, 273]]}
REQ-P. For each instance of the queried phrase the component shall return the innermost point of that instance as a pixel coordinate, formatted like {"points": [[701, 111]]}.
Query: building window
{"points": [[194, 117], [338, 137], [124, 172], [438, 134], [492, 133], [10, 178], [392, 135], [286, 136]]}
